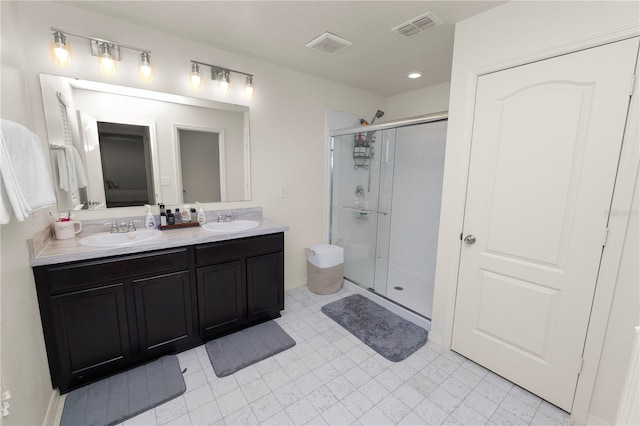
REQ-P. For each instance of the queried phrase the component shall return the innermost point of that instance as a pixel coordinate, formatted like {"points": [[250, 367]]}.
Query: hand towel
{"points": [[70, 169], [26, 180]]}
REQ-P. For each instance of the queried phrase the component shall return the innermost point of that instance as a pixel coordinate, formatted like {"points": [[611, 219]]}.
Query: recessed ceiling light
{"points": [[414, 74]]}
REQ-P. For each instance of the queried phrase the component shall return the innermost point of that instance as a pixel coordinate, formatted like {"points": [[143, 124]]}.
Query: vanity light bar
{"points": [[222, 75], [106, 50]]}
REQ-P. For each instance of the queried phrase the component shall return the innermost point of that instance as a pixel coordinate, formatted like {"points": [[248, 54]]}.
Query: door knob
{"points": [[470, 239]]}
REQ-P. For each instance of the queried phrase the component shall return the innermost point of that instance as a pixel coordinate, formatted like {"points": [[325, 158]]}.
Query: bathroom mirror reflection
{"points": [[115, 146]]}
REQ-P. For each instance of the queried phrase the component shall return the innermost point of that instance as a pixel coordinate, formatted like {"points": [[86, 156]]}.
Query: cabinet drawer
{"points": [[75, 275], [235, 249]]}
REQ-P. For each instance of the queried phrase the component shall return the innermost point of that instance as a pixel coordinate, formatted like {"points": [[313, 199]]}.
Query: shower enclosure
{"points": [[386, 187]]}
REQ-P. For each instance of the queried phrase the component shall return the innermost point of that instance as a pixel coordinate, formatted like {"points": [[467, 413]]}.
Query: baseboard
{"points": [[396, 309], [436, 338], [290, 285], [52, 409], [596, 421]]}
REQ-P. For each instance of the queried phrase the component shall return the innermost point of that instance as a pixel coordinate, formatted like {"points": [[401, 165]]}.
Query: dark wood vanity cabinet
{"points": [[103, 316], [241, 284]]}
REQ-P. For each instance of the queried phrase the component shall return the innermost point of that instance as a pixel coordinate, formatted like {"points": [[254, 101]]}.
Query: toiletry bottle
{"points": [[171, 219], [193, 214], [163, 215], [150, 221], [178, 216], [202, 218], [185, 214]]}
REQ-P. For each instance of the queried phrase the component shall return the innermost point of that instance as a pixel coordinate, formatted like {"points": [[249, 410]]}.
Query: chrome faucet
{"points": [[221, 217], [123, 227]]}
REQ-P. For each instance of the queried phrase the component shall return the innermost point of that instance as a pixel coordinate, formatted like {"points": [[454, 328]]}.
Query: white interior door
{"points": [[546, 141]]}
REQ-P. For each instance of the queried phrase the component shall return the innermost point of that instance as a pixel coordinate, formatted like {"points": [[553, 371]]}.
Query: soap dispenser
{"points": [[150, 221], [202, 218]]}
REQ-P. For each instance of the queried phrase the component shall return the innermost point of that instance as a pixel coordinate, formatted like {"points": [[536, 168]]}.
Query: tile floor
{"points": [[332, 378]]}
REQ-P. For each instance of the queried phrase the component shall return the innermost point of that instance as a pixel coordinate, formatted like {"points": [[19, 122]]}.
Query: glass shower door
{"points": [[355, 203]]}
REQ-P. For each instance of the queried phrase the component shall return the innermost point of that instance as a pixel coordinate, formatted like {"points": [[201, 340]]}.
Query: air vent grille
{"points": [[329, 44], [417, 25]]}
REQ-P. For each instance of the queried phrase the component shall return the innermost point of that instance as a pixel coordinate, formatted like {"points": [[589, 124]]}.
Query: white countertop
{"points": [[61, 251]]}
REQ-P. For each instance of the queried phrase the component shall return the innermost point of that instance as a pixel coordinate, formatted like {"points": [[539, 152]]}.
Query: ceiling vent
{"points": [[417, 25], [329, 44]]}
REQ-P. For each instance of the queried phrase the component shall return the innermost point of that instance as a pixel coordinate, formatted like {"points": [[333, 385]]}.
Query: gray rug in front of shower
{"points": [[390, 335], [117, 398], [236, 351]]}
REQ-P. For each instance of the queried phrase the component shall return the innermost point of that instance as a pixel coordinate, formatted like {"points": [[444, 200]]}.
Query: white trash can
{"points": [[325, 264]]}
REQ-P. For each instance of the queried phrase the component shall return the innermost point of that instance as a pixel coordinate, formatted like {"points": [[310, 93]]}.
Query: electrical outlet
{"points": [[282, 191], [165, 181]]}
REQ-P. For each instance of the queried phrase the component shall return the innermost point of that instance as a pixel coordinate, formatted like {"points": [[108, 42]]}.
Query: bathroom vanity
{"points": [[105, 314]]}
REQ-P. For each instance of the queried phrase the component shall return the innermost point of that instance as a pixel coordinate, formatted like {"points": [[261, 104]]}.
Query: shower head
{"points": [[379, 114]]}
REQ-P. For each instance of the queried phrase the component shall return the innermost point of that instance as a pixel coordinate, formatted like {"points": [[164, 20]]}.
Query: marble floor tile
{"points": [[330, 377]]}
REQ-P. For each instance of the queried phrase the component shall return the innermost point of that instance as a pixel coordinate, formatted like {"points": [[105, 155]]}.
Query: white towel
{"points": [[26, 181], [71, 169]]}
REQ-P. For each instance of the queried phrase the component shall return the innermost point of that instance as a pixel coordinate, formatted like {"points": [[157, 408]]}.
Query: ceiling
{"points": [[278, 31]]}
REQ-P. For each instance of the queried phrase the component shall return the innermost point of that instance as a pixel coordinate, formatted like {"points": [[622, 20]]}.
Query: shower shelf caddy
{"points": [[363, 149]]}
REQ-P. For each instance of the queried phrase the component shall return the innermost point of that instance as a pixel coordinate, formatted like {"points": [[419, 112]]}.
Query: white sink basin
{"points": [[229, 227], [107, 239]]}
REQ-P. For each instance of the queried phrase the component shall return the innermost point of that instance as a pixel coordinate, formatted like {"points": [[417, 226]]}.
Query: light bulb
{"points": [[61, 53], [107, 64], [248, 87], [60, 49], [196, 80], [224, 81], [146, 72], [224, 86]]}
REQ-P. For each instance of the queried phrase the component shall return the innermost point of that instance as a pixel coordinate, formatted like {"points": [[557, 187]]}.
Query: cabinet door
{"points": [[265, 285], [221, 297], [91, 334], [163, 313]]}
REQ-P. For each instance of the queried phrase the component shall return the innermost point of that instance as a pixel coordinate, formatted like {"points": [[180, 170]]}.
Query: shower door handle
{"points": [[470, 239]]}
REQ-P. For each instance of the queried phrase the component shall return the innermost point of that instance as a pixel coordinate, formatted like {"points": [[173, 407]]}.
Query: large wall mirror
{"points": [[114, 146]]}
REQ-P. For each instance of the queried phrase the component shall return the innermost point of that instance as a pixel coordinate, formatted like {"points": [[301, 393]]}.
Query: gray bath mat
{"points": [[115, 399], [388, 334], [231, 353]]}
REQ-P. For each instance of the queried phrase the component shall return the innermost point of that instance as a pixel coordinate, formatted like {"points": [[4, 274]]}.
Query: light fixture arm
{"points": [[98, 40], [217, 68]]}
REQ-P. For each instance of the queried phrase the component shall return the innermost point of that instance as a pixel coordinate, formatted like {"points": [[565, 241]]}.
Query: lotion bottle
{"points": [[150, 221], [185, 214], [202, 218]]}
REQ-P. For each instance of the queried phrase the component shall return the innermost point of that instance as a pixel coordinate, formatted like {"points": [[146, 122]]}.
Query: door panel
{"points": [[164, 313], [221, 297], [544, 155], [265, 294], [91, 333]]}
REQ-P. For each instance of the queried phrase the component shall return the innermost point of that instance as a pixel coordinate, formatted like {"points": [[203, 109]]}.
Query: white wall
{"points": [[23, 360], [418, 102], [495, 39], [287, 143]]}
